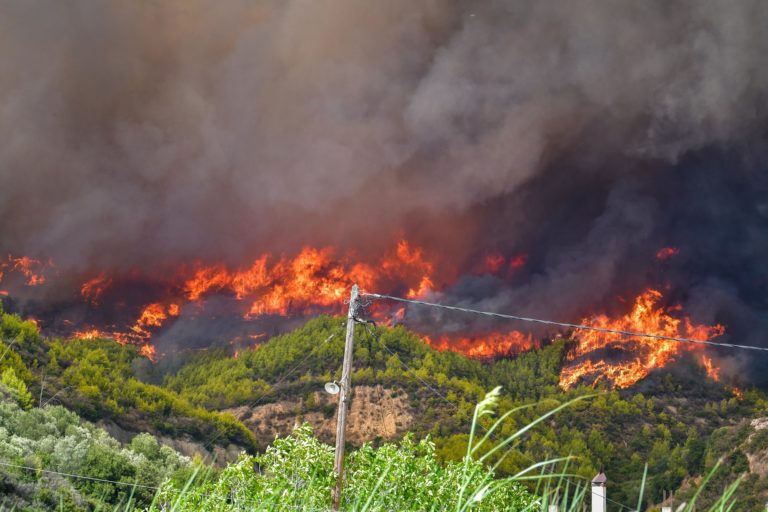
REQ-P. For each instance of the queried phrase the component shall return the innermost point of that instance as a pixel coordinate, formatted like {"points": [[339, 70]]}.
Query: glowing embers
{"points": [[623, 360], [666, 253]]}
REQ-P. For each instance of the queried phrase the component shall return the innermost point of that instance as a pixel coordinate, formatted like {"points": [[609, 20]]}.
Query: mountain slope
{"points": [[669, 420], [665, 420], [101, 380]]}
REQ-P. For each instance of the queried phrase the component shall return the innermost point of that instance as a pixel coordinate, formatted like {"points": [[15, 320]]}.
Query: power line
{"points": [[106, 480], [564, 324], [83, 477], [456, 407]]}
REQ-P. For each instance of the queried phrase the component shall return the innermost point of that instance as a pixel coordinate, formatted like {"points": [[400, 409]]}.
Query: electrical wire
{"points": [[456, 407], [564, 324], [106, 480], [208, 444], [73, 475]]}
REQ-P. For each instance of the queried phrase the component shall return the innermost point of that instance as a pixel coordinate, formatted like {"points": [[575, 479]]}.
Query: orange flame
{"points": [[90, 334], [493, 263], [647, 316], [93, 288], [311, 281], [667, 252], [496, 263], [712, 371], [318, 279], [148, 351], [30, 268], [153, 316], [482, 347], [315, 278], [518, 261]]}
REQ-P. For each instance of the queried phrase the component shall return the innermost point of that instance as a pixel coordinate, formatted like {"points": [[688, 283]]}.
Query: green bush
{"points": [[55, 439], [296, 473]]}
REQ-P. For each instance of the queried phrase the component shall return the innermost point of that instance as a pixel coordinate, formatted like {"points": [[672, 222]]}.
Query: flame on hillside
{"points": [[713, 372], [317, 280], [484, 347], [667, 252], [30, 269], [154, 315], [91, 334], [495, 263], [314, 280], [623, 360], [93, 288]]}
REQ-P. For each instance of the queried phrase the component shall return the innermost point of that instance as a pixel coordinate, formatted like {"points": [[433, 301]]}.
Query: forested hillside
{"points": [[102, 381], [678, 421], [665, 421]]}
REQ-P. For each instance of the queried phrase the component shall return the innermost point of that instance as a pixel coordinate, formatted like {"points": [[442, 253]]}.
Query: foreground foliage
{"points": [[37, 444], [666, 421], [103, 380], [296, 473], [677, 421]]}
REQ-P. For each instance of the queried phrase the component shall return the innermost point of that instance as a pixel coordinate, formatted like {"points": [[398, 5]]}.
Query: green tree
{"points": [[17, 387]]}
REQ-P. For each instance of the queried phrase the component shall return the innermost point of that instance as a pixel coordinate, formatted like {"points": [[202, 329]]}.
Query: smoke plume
{"points": [[585, 134]]}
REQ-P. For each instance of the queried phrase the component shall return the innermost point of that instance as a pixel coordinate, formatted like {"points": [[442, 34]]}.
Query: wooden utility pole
{"points": [[346, 374]]}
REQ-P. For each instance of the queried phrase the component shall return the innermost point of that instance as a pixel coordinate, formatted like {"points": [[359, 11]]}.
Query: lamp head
{"points": [[332, 388]]}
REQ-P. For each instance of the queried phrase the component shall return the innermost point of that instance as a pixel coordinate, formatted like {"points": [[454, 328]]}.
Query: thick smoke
{"points": [[585, 133]]}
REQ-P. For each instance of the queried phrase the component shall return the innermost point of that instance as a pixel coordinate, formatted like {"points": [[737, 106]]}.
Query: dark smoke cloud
{"points": [[194, 128], [587, 133]]}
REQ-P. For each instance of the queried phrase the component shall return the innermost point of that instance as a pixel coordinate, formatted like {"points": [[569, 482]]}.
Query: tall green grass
{"points": [[296, 473]]}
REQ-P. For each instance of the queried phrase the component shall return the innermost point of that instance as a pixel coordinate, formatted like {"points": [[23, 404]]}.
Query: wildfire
{"points": [[667, 252], [622, 360], [493, 263], [712, 371], [153, 316], [93, 288], [314, 279], [488, 346], [318, 280], [90, 334], [148, 351], [518, 261], [30, 268], [496, 263]]}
